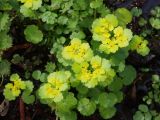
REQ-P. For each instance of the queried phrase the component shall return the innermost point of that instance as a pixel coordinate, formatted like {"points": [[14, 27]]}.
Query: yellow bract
{"points": [[77, 51], [100, 71], [33, 4], [27, 3], [16, 86], [49, 92], [111, 36], [57, 82]]}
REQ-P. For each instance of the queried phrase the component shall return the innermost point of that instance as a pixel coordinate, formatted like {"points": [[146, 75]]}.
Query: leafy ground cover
{"points": [[79, 60]]}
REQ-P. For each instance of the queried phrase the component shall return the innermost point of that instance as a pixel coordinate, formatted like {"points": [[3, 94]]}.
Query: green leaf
{"points": [[124, 16], [96, 4], [33, 34], [29, 86], [107, 113], [142, 22], [67, 116], [143, 108], [148, 116], [61, 40], [138, 116], [94, 93], [86, 107], [36, 74], [27, 98], [5, 5], [27, 12], [155, 23], [72, 23], [4, 21], [82, 89], [157, 117], [103, 10], [79, 34], [116, 85], [14, 77], [128, 75], [136, 11], [27, 75], [156, 11], [43, 77], [119, 57], [17, 59], [14, 4], [107, 100], [5, 67], [49, 17], [81, 5], [50, 67], [155, 78], [68, 103], [5, 41], [119, 95], [62, 20]]}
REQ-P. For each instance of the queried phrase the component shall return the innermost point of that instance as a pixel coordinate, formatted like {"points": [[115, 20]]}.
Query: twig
{"points": [[22, 110], [11, 50]]}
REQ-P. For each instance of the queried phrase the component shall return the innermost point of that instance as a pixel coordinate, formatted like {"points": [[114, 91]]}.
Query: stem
{"points": [[2, 80], [56, 112], [95, 14], [56, 117], [21, 109]]}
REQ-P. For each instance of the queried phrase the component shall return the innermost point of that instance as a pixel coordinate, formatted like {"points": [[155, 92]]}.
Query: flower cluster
{"points": [[139, 45], [111, 36], [77, 51], [13, 90], [57, 82], [33, 4], [100, 72], [90, 69]]}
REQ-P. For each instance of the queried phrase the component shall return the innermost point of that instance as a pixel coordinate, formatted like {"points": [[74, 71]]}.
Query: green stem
{"points": [[56, 112], [95, 14], [56, 117]]}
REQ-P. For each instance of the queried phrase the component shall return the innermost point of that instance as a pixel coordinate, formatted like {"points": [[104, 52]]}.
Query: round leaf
{"points": [[33, 34]]}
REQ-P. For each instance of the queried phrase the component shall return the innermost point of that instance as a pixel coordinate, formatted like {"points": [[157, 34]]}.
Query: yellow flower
{"points": [[77, 51], [33, 4], [20, 84], [122, 41], [15, 91], [48, 92], [9, 86], [85, 76], [12, 90], [52, 92], [99, 72], [59, 80], [110, 47], [118, 31], [96, 62], [122, 36], [111, 36]]}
